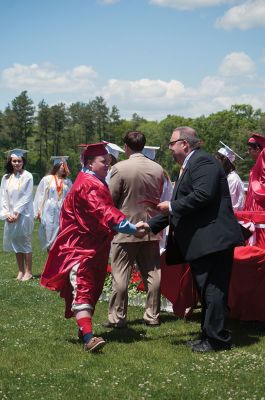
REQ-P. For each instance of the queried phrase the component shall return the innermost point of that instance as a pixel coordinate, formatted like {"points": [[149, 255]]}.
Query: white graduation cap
{"points": [[228, 152], [59, 159], [16, 153], [150, 151], [114, 149]]}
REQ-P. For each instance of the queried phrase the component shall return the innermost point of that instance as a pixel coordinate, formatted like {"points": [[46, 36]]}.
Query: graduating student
{"points": [[77, 262], [16, 208], [227, 157], [114, 151], [49, 198], [150, 152]]}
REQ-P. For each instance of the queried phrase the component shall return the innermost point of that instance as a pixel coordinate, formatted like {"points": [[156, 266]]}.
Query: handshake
{"points": [[142, 229]]}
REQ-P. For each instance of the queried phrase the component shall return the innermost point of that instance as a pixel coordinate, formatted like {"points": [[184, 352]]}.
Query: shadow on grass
{"points": [[126, 335], [164, 318], [244, 333]]}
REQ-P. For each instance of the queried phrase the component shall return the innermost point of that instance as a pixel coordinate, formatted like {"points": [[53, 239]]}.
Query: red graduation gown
{"points": [[86, 221]]}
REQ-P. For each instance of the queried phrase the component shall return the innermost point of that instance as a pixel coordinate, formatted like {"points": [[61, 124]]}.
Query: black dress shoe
{"points": [[191, 343], [206, 347], [112, 325]]}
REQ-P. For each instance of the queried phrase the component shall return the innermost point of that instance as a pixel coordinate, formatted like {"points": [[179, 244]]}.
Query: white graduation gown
{"points": [[47, 205], [236, 189], [16, 197]]}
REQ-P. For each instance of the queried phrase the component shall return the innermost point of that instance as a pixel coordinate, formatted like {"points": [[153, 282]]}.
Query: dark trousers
{"points": [[212, 276]]}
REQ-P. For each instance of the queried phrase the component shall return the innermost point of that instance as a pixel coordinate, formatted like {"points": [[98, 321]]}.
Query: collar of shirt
{"points": [[87, 171], [187, 159]]}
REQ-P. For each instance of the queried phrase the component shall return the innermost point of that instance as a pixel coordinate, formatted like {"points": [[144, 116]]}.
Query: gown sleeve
{"points": [[4, 210], [94, 207], [39, 197]]}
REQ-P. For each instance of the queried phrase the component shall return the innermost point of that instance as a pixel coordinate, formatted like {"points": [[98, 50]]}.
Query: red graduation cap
{"points": [[93, 150], [257, 139]]}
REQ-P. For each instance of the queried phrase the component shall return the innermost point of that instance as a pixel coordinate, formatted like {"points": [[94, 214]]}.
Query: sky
{"points": [[150, 57]]}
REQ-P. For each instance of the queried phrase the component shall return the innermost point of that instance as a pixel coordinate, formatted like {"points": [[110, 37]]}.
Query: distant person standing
{"points": [[236, 187], [114, 151], [49, 198], [150, 152], [16, 208], [255, 198], [136, 186]]}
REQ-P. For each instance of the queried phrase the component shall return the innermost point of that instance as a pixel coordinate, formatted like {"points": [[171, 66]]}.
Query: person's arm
{"points": [[236, 189], [4, 209], [125, 226], [39, 197]]}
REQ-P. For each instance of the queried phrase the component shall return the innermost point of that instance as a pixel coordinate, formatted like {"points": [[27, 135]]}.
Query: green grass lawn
{"points": [[42, 358]]}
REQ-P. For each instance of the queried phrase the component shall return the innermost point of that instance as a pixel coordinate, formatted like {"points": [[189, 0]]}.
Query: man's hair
{"points": [[190, 135], [135, 140]]}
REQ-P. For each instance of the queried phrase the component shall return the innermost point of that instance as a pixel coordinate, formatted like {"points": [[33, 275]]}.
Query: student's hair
{"points": [[9, 167], [226, 163], [55, 168], [255, 146]]}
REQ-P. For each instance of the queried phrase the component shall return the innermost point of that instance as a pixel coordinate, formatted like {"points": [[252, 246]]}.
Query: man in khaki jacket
{"points": [[136, 185]]}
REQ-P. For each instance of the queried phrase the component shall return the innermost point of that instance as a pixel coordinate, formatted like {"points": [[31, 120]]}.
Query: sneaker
{"points": [[94, 344]]}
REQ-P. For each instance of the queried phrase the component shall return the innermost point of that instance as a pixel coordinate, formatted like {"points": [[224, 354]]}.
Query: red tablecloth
{"points": [[247, 287]]}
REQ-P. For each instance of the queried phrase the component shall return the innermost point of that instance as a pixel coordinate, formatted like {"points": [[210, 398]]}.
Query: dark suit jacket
{"points": [[202, 219]]}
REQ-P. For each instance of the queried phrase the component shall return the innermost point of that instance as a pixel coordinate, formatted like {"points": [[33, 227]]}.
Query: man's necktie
{"points": [[181, 172]]}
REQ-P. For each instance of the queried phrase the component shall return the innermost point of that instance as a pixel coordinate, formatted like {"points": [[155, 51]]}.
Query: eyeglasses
{"points": [[170, 144]]}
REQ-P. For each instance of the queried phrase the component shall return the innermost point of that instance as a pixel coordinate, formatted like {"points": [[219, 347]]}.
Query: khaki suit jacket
{"points": [[136, 186]]}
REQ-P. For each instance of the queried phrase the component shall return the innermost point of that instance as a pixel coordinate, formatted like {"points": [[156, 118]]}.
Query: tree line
{"points": [[46, 130]]}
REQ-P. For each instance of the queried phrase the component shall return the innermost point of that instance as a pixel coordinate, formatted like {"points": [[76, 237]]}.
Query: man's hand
{"points": [[142, 229], [163, 207]]}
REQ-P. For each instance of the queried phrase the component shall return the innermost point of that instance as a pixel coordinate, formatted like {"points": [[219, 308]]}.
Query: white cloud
{"points": [[237, 64], [213, 86], [250, 14], [144, 90], [152, 99], [189, 4], [46, 79]]}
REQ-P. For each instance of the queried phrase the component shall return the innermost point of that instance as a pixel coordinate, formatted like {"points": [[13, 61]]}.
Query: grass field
{"points": [[42, 358]]}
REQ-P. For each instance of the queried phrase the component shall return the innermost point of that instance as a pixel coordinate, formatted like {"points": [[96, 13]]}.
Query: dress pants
{"points": [[147, 257], [212, 276]]}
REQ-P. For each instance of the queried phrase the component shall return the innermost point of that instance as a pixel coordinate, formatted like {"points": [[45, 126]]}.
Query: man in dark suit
{"points": [[203, 231]]}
